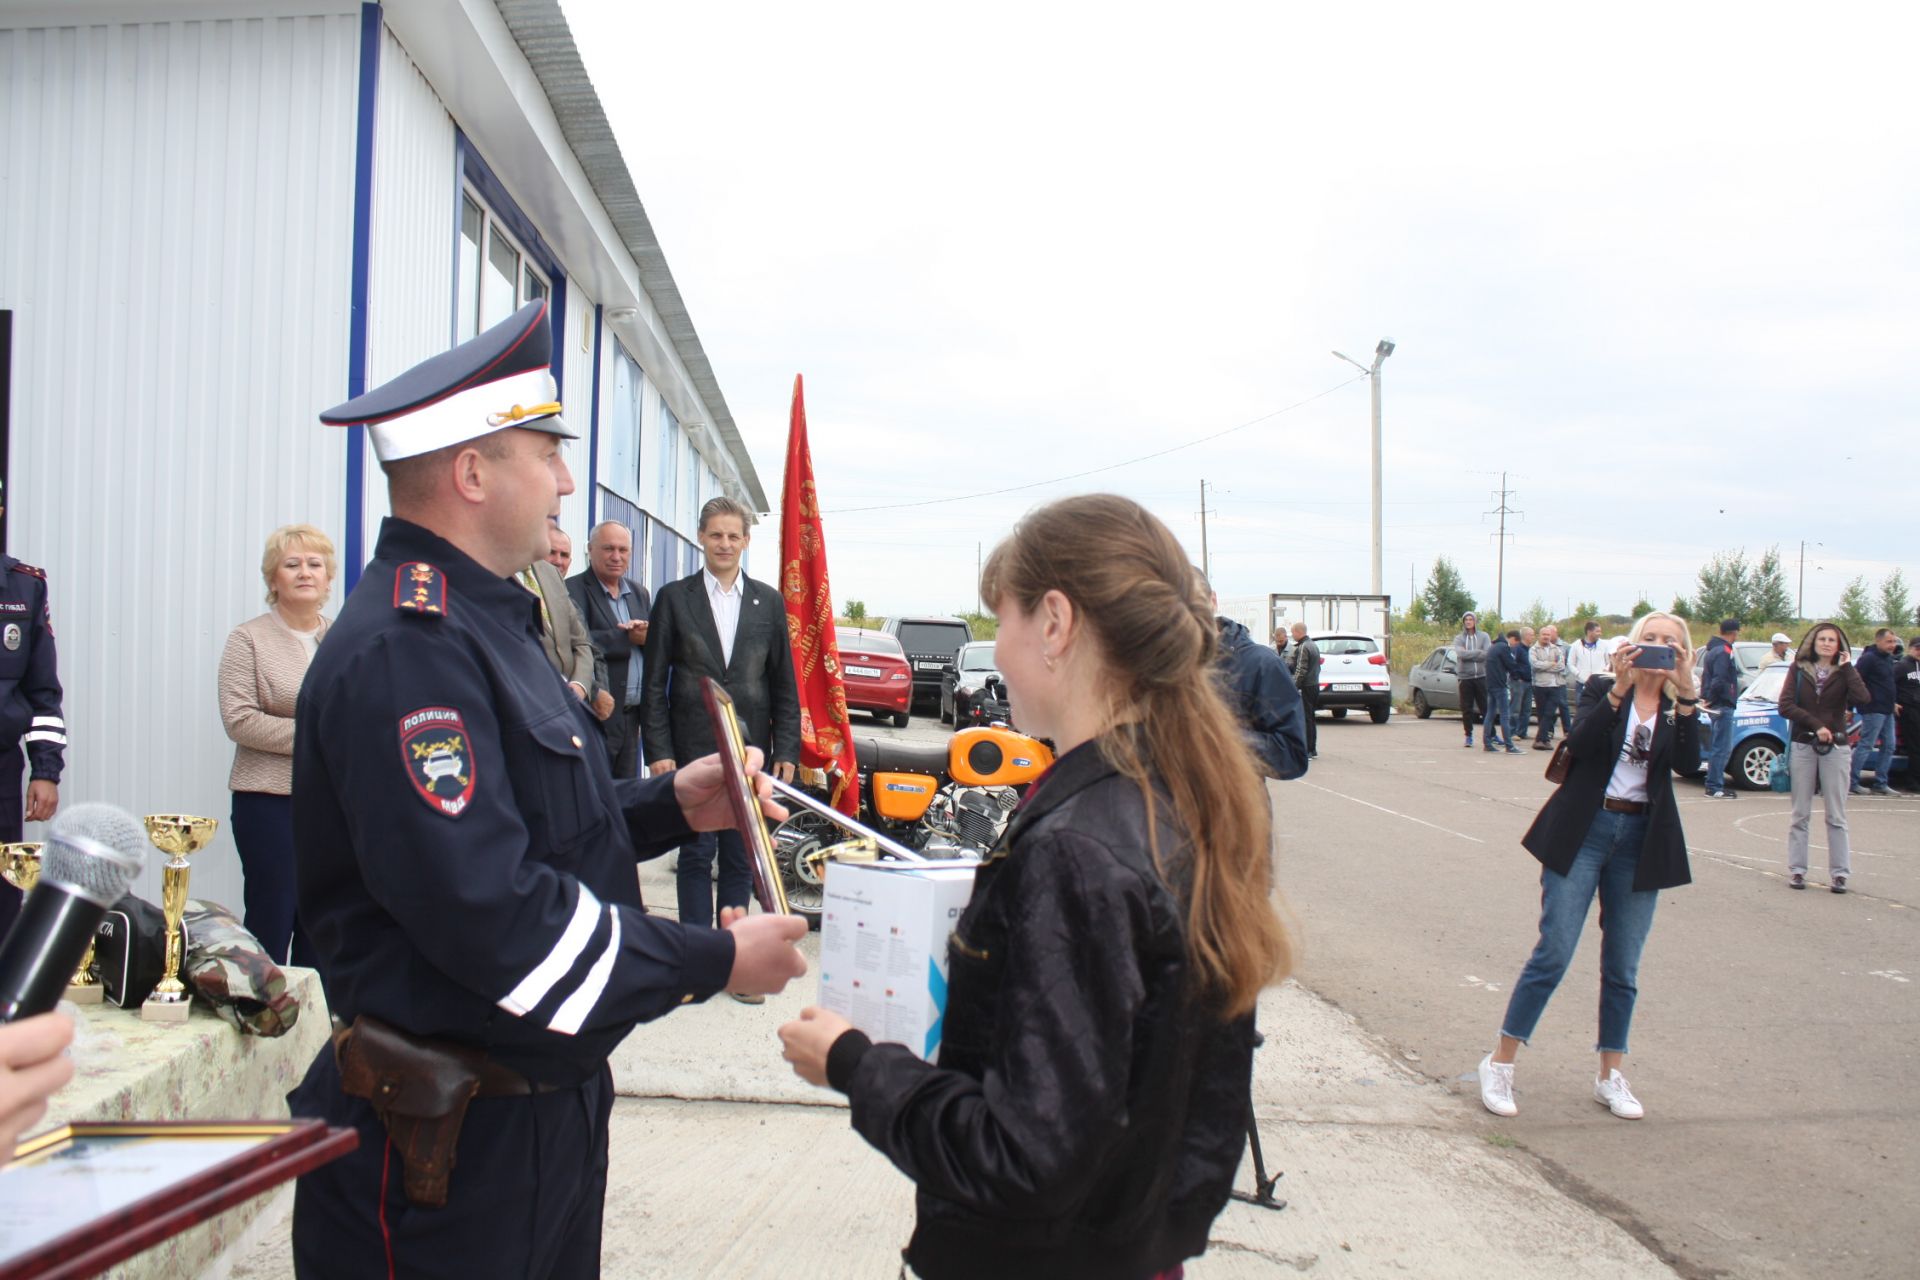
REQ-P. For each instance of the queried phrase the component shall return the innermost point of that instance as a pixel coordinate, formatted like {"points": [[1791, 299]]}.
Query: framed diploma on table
{"points": [[77, 1199], [767, 885]]}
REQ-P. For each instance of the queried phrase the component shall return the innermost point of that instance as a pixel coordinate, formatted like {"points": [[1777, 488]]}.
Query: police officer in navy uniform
{"points": [[466, 861], [31, 722]]}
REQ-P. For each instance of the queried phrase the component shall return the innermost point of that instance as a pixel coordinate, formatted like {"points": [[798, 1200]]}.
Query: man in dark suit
{"points": [[720, 623], [616, 610]]}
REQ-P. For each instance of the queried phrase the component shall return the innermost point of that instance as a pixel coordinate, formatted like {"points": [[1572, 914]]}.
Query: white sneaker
{"points": [[1618, 1098], [1496, 1087]]}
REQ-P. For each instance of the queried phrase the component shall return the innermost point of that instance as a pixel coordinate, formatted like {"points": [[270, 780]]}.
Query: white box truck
{"points": [[1277, 612]]}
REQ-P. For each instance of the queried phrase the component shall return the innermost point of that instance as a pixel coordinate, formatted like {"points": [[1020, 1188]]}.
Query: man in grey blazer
{"points": [[616, 610], [720, 623], [562, 631]]}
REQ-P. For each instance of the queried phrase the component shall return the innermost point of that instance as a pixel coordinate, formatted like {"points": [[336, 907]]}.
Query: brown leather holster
{"points": [[421, 1089]]}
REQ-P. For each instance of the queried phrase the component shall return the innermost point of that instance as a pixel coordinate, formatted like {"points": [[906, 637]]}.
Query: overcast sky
{"points": [[1657, 262]]}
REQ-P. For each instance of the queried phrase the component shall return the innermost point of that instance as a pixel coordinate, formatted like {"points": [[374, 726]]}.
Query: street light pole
{"points": [[1380, 353]]}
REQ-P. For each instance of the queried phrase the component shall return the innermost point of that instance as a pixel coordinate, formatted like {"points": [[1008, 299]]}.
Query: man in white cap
{"points": [[466, 860], [1782, 648]]}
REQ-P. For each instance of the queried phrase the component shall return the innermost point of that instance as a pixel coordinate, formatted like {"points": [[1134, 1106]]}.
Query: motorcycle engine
{"points": [[980, 814]]}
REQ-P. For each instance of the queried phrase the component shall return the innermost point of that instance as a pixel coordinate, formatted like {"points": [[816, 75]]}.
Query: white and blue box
{"points": [[883, 947]]}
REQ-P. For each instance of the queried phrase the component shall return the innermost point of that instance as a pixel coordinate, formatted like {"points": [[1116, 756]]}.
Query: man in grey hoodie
{"points": [[1470, 659]]}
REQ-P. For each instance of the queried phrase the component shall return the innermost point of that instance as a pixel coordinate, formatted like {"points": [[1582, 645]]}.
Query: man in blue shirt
{"points": [[1502, 669], [1719, 692], [616, 608], [1876, 718]]}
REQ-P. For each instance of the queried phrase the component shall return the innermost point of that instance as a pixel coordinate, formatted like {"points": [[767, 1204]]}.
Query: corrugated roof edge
{"points": [[541, 31]]}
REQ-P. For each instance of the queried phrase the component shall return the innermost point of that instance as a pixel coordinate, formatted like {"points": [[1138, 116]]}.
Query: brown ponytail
{"points": [[1133, 589]]}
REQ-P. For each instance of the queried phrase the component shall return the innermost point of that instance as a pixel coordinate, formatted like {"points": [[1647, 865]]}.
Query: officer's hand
{"points": [[806, 1042], [765, 954], [659, 767], [43, 798], [701, 789], [33, 1067]]}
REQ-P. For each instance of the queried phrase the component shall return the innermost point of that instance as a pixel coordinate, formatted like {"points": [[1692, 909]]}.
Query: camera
{"points": [[1658, 657]]}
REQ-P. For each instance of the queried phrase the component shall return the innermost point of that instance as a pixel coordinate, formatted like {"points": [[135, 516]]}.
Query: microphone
{"points": [[92, 853]]}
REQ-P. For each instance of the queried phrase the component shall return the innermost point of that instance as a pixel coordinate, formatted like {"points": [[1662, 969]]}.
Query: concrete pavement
{"points": [[1774, 1041]]}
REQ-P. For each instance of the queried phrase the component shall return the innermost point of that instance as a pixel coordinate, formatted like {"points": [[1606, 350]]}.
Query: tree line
{"points": [[1728, 586]]}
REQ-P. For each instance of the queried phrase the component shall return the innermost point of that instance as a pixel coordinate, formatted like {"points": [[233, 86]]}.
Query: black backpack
{"points": [[130, 950]]}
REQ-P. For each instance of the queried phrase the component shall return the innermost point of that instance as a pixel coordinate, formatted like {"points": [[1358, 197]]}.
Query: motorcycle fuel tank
{"points": [[902, 797], [990, 756]]}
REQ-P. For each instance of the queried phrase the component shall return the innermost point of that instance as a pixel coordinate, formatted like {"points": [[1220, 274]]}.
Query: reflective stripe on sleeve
{"points": [[48, 722], [45, 735], [573, 1012], [573, 940]]}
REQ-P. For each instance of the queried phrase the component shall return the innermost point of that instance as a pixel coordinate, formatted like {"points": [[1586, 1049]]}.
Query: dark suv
{"points": [[930, 645]]}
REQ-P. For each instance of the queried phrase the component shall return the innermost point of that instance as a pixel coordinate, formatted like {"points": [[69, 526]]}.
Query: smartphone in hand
{"points": [[1657, 657]]}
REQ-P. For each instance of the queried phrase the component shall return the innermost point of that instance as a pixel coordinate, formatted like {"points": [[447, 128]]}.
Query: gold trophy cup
{"points": [[178, 835], [20, 867]]}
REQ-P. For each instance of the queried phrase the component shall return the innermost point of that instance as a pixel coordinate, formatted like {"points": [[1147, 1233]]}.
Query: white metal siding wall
{"points": [[175, 239], [410, 290], [576, 333]]}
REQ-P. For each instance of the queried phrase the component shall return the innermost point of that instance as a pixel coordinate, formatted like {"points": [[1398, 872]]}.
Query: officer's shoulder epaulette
{"points": [[30, 570], [420, 588]]}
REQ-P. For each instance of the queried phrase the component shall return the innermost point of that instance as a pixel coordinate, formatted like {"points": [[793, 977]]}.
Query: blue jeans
{"points": [[1606, 864], [1874, 724], [1720, 749], [1520, 704], [1496, 717], [695, 877], [1551, 702]]}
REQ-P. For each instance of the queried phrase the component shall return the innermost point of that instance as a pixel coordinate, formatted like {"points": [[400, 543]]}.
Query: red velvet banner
{"points": [[826, 740]]}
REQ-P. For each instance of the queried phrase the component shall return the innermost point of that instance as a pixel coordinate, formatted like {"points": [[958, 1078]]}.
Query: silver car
{"points": [[1435, 683]]}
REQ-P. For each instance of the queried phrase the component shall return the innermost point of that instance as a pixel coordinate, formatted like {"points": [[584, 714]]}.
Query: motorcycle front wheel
{"points": [[793, 841]]}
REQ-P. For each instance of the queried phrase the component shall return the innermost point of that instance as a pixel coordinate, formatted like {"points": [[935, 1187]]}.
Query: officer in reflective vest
{"points": [[466, 860]]}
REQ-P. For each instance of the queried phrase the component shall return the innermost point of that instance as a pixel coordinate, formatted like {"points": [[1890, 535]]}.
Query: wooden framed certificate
{"points": [[767, 886], [78, 1199]]}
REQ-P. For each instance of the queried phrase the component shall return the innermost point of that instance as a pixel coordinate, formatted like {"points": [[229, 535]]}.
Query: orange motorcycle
{"points": [[939, 800]]}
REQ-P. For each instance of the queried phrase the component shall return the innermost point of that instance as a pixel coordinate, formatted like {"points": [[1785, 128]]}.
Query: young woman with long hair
{"points": [[1819, 691], [1091, 1101], [1612, 829]]}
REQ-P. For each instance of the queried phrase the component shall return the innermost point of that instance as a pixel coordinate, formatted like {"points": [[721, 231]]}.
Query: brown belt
{"points": [[1615, 805]]}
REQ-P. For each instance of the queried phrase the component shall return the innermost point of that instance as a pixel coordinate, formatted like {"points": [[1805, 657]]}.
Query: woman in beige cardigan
{"points": [[260, 674]]}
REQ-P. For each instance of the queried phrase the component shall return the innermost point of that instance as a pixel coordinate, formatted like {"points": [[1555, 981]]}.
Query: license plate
{"points": [[931, 666], [863, 671], [1348, 688]]}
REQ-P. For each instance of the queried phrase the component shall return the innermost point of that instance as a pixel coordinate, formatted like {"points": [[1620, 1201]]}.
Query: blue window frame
{"points": [[501, 262]]}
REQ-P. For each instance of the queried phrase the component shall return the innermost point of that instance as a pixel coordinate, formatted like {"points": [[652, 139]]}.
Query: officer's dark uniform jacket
{"points": [[1089, 1111], [30, 712], [466, 860]]}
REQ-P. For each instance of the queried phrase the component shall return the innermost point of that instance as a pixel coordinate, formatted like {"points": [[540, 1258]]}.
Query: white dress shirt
{"points": [[726, 612]]}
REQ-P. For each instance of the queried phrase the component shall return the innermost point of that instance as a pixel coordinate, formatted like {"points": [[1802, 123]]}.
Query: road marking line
{"points": [[1395, 813], [1892, 974]]}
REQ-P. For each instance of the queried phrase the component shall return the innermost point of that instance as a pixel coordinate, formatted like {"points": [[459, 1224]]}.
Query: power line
{"points": [[1112, 466]]}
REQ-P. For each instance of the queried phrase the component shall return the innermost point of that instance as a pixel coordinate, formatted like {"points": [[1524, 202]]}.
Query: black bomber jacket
{"points": [[1088, 1112]]}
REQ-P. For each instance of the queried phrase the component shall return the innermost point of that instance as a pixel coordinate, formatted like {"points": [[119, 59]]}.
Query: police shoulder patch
{"points": [[438, 757], [31, 571], [420, 588]]}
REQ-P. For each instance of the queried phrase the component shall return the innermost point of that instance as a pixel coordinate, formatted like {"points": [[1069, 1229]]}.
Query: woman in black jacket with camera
{"points": [[1612, 829], [1092, 1097]]}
